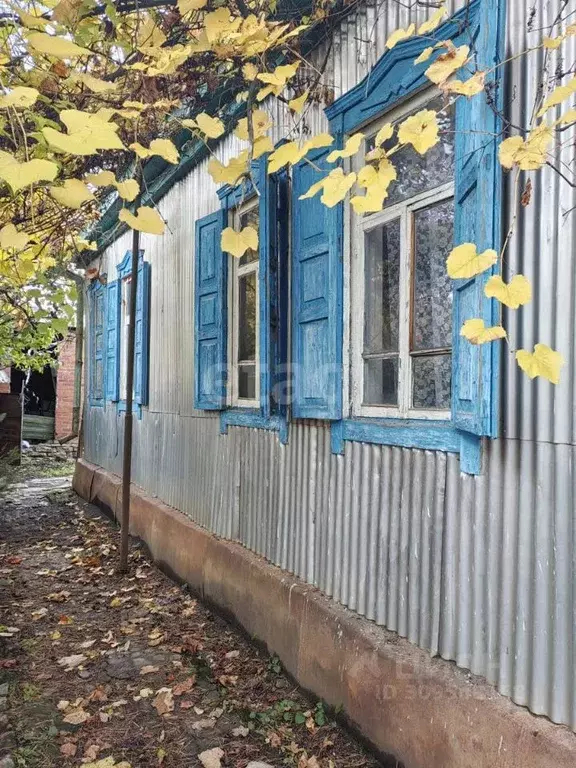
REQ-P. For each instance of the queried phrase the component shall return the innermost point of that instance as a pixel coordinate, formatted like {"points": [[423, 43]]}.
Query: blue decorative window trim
{"points": [[272, 279], [142, 340], [394, 79], [97, 368]]}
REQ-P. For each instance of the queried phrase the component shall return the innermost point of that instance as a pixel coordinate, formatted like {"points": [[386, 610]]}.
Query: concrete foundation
{"points": [[425, 712]]}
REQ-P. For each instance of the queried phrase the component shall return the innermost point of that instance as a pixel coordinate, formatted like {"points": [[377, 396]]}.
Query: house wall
{"points": [[479, 570]]}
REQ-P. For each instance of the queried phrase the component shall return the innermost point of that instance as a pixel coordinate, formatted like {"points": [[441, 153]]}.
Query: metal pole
{"points": [[127, 458]]}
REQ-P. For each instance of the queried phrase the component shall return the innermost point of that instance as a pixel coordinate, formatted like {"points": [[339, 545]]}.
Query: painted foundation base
{"points": [[425, 712]]}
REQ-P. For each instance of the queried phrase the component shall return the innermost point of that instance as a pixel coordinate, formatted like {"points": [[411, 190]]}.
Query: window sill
{"points": [[136, 409], [426, 435], [252, 417]]}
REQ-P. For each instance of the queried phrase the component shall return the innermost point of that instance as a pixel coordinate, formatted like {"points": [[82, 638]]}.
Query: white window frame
{"points": [[124, 322], [235, 272], [357, 226]]}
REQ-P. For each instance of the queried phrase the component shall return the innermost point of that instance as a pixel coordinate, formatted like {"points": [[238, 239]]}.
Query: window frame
{"points": [[360, 226], [235, 272], [97, 293]]}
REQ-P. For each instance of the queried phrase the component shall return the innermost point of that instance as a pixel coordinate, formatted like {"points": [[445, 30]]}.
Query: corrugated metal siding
{"points": [[480, 570]]}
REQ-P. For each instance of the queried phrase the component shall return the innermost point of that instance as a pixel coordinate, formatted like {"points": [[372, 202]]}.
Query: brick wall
{"points": [[65, 387]]}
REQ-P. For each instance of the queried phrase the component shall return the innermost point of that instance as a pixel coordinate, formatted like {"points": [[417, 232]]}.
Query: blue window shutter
{"points": [[267, 246], [113, 341], [97, 336], [210, 326], [316, 298], [142, 334], [478, 201]]}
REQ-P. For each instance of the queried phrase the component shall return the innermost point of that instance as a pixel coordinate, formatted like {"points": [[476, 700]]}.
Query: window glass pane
{"points": [[431, 381], [432, 288], [381, 288], [249, 219], [418, 173], [381, 381], [247, 317], [247, 381]]}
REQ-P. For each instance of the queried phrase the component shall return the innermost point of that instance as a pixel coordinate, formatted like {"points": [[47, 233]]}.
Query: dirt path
{"points": [[107, 670]]}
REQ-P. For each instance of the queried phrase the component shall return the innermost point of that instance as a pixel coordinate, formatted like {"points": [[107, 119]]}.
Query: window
{"points": [[244, 384], [97, 312], [124, 323], [401, 296]]}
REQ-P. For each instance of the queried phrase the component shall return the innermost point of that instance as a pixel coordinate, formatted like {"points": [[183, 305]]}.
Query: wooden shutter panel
{"points": [[478, 201], [316, 298], [97, 362], [210, 324], [142, 334], [113, 341]]}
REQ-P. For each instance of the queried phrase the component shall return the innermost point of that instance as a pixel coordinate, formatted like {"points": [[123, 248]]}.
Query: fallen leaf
{"points": [[184, 686], [77, 716], [211, 758], [241, 731], [164, 701], [201, 725], [68, 749], [39, 614], [71, 662], [232, 654], [149, 670]]}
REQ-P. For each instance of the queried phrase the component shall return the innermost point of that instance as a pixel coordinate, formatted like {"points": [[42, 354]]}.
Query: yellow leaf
{"points": [[146, 220], [430, 24], [385, 133], [420, 130], [517, 292], [319, 141], [464, 261], [228, 174], [287, 153], [568, 117], [165, 149], [31, 21], [94, 84], [260, 124], [11, 238], [552, 42], [72, 194], [558, 95], [261, 146], [297, 104], [161, 147], [313, 190], [19, 175], [216, 23], [88, 132], [470, 87], [128, 190], [59, 47], [543, 362], [211, 126], [101, 179], [475, 331], [187, 6], [21, 96], [425, 55], [237, 243], [371, 202], [336, 186], [400, 34], [276, 81], [446, 64], [528, 155], [350, 148], [250, 71]]}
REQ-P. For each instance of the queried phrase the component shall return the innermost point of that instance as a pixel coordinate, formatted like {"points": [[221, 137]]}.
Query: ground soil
{"points": [[134, 668]]}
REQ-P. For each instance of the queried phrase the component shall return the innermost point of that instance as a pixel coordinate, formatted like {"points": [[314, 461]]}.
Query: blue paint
{"points": [[210, 314], [272, 280], [252, 417], [142, 332], [317, 287], [97, 306], [478, 203], [113, 341]]}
